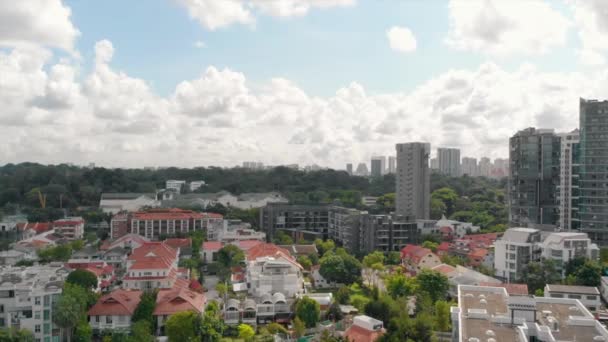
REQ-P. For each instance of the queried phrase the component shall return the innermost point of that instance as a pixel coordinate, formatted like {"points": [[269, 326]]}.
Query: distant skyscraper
{"points": [[434, 164], [469, 166], [485, 166], [349, 168], [593, 183], [392, 164], [567, 198], [449, 161], [533, 178], [362, 170], [378, 164], [413, 190], [500, 168]]}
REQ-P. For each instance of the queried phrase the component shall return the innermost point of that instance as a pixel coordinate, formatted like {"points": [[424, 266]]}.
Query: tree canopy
{"points": [[309, 311], [83, 278], [183, 326]]}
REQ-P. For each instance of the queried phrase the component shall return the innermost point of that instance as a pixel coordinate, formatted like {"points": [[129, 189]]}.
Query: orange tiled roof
{"points": [[358, 334], [119, 302], [178, 299], [246, 245], [478, 253], [168, 214], [178, 243], [414, 252], [212, 246], [153, 255]]}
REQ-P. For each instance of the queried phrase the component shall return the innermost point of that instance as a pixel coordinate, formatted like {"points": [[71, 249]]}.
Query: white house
{"points": [[516, 248], [589, 296], [459, 229], [564, 246], [319, 281], [272, 269], [176, 185], [116, 202], [114, 310]]}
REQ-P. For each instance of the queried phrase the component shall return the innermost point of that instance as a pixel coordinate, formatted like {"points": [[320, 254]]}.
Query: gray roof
{"points": [[86, 251], [301, 249], [573, 289], [256, 196], [124, 195], [518, 234]]}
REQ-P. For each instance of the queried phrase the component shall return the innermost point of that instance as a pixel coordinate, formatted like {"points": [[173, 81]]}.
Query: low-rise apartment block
{"points": [[565, 246], [272, 269], [152, 266], [589, 296]]}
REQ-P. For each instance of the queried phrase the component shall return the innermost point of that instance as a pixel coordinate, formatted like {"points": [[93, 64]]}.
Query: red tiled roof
{"points": [[359, 334], [167, 214], [153, 255], [512, 289], [119, 302], [446, 230], [271, 250], [178, 299], [478, 253], [195, 286], [212, 246], [414, 252], [62, 223], [444, 269], [122, 240], [38, 227], [444, 246], [178, 243], [246, 245]]}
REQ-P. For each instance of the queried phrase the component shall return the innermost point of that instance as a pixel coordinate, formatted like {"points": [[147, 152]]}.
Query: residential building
{"points": [[485, 165], [565, 246], [516, 248], [116, 257], [604, 288], [500, 168], [533, 178], [71, 228], [183, 245], [301, 250], [156, 223], [593, 184], [568, 181], [175, 185], [392, 165], [174, 300], [195, 185], [490, 313], [469, 167], [300, 221], [209, 251], [364, 329], [369, 201], [589, 296], [416, 258], [513, 289], [242, 201], [272, 269], [128, 241], [457, 229], [386, 233], [378, 166], [9, 223], [362, 170], [349, 168], [344, 226], [448, 160], [434, 164], [114, 311], [114, 203], [318, 281], [266, 309], [413, 180], [460, 275], [11, 257], [27, 296], [152, 266], [253, 165]]}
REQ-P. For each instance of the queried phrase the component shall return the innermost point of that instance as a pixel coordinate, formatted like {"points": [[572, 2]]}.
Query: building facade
{"points": [[568, 181], [392, 165], [301, 221], [344, 225], [378, 166], [533, 178], [516, 248], [562, 247], [386, 233], [448, 161], [413, 180], [469, 167], [593, 183], [349, 168]]}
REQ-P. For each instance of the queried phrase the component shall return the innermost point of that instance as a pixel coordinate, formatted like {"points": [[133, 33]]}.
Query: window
{"points": [[37, 328], [109, 319], [47, 315], [96, 319], [37, 314], [47, 300], [37, 300], [591, 297], [47, 328], [573, 296]]}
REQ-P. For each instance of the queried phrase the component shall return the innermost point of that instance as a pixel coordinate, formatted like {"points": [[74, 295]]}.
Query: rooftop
{"points": [[573, 289], [119, 302]]}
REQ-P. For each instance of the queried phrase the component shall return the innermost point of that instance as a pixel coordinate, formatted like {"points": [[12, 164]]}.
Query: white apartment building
{"points": [[27, 296], [392, 164], [516, 248], [71, 228], [460, 229], [449, 161], [469, 167], [116, 202], [589, 296], [195, 185], [564, 246], [272, 269], [568, 180], [176, 185]]}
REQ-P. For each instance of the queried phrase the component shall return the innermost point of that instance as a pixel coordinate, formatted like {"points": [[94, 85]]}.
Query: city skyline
{"points": [[222, 84]]}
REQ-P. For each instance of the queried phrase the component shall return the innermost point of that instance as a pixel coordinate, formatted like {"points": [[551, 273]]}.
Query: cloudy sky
{"points": [[218, 82]]}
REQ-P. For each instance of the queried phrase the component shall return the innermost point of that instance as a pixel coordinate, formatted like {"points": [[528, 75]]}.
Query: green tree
{"points": [[334, 312], [309, 311], [400, 285], [434, 283], [246, 332], [140, 332], [276, 328], [299, 327], [324, 246], [589, 274], [183, 326], [281, 238], [537, 274], [379, 309], [145, 309], [438, 208], [343, 268], [393, 258], [375, 257], [342, 294], [212, 324], [442, 316], [221, 289], [70, 308], [83, 331], [359, 301], [77, 245], [430, 245], [83, 278], [447, 196], [305, 262], [230, 256]]}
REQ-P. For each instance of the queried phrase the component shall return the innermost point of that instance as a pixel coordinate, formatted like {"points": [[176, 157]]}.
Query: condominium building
{"points": [[349, 168], [386, 233], [378, 164], [565, 246], [516, 248], [485, 166], [176, 185], [344, 226], [392, 164], [301, 221], [593, 183], [272, 269], [449, 161], [469, 167], [27, 296], [413, 180], [533, 177], [434, 164], [362, 170], [568, 181], [71, 228]]}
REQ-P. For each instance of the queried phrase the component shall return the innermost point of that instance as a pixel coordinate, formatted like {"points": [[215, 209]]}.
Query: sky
{"points": [[218, 82]]}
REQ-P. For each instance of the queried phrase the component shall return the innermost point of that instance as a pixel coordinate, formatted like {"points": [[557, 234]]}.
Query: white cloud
{"points": [[219, 118], [200, 44], [37, 22], [215, 14], [591, 18], [506, 27], [401, 39]]}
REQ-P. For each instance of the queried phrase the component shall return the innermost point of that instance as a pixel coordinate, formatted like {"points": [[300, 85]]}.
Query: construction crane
{"points": [[42, 199]]}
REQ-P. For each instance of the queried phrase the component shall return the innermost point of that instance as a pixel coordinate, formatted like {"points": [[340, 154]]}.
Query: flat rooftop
{"points": [[562, 312], [480, 326]]}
